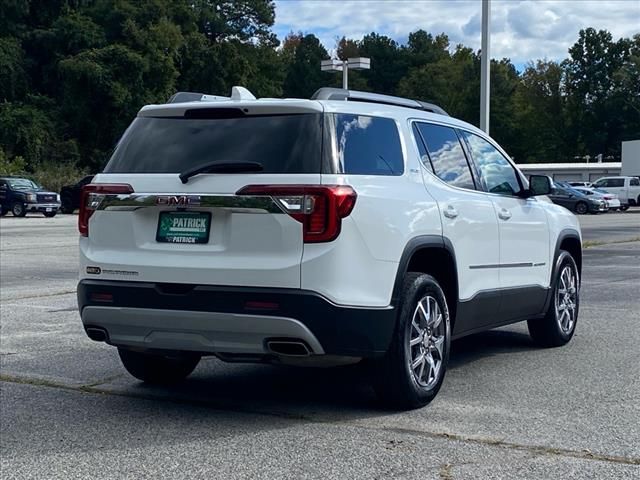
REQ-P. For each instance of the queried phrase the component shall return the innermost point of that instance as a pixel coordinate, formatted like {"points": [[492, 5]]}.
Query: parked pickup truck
{"points": [[627, 189], [21, 195]]}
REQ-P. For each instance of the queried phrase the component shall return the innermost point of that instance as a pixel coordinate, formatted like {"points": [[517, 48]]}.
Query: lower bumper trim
{"points": [[228, 319]]}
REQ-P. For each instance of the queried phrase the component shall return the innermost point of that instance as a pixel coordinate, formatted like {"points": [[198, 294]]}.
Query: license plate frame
{"points": [[184, 233]]}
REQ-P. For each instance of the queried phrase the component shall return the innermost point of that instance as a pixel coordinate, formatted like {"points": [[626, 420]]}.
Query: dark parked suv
{"points": [[21, 195], [70, 195]]}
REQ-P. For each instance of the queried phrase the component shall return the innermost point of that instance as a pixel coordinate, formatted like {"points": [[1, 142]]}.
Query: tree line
{"points": [[73, 73]]}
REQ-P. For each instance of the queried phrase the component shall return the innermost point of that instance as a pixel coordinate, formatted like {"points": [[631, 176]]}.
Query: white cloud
{"points": [[521, 30]]}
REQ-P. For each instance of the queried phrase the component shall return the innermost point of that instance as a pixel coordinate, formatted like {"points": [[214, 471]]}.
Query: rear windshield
{"points": [[290, 143]]}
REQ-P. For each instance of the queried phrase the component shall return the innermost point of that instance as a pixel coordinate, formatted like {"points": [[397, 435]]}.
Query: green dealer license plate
{"points": [[183, 227]]}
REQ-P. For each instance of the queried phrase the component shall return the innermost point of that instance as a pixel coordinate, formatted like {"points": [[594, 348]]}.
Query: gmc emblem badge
{"points": [[178, 200]]}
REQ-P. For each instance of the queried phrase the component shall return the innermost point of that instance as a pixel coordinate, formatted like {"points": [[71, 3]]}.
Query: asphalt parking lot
{"points": [[506, 410]]}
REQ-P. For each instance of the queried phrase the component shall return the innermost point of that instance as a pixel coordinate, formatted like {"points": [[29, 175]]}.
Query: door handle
{"points": [[450, 212], [504, 214]]}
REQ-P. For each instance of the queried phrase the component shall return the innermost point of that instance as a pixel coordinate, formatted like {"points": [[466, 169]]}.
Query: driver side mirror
{"points": [[539, 185]]}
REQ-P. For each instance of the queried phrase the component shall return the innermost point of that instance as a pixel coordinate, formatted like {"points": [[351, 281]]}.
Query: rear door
{"points": [[468, 222], [202, 231]]}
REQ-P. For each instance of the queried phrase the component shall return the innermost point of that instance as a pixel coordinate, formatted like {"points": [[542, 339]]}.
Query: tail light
{"points": [[91, 197], [320, 208]]}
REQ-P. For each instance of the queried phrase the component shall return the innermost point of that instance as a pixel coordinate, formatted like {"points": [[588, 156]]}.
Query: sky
{"points": [[520, 30]]}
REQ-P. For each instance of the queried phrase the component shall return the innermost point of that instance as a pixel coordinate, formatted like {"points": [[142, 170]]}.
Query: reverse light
{"points": [[320, 208], [91, 198]]}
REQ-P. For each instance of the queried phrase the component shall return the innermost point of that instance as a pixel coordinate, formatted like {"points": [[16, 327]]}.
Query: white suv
{"points": [[348, 227]]}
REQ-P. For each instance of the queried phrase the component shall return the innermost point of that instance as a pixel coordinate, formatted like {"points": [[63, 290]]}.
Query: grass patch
{"points": [[598, 243]]}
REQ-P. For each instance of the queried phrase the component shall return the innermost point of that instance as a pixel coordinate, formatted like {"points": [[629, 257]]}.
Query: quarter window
{"points": [[368, 145], [498, 175], [446, 154], [424, 156], [635, 182]]}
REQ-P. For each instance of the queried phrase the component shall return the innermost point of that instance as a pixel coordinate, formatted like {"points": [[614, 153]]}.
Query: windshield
{"points": [[290, 143], [22, 184]]}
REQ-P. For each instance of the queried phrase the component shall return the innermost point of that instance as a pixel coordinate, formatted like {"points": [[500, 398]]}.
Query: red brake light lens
{"points": [[320, 208], [91, 197]]}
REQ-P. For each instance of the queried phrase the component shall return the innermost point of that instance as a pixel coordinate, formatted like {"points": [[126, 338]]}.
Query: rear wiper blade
{"points": [[220, 167]]}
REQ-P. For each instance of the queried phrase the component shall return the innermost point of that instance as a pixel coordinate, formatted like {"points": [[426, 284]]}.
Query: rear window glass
{"points": [[366, 145], [635, 182], [289, 143]]}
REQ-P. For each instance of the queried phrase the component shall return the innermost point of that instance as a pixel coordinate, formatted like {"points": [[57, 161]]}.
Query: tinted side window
{"points": [[367, 145], [498, 174], [635, 182], [615, 182], [446, 154]]}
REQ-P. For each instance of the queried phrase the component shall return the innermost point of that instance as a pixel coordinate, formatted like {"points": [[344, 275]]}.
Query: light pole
{"points": [[485, 66], [334, 65]]}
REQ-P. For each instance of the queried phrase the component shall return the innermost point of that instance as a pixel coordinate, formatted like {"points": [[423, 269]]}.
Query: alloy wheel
{"points": [[567, 299], [427, 342]]}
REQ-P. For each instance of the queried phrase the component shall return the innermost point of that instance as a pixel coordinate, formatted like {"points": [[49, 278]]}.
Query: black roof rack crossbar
{"points": [[327, 93]]}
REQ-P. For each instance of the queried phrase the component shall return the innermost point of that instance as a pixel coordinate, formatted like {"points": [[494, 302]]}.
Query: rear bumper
{"points": [[214, 319]]}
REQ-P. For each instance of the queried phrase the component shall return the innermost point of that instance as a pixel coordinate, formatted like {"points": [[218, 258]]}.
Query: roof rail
{"points": [[327, 93]]}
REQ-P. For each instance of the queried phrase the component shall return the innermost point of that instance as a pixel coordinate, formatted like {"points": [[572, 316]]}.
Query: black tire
{"points": [[50, 214], [547, 331], [393, 378], [624, 208], [3, 212], [18, 209], [158, 369], [581, 208]]}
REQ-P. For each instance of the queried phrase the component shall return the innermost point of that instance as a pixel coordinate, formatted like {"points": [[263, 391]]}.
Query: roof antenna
{"points": [[241, 93]]}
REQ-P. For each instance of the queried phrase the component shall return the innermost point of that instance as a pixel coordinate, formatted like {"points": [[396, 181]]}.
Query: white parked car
{"points": [[612, 200], [627, 189], [348, 227]]}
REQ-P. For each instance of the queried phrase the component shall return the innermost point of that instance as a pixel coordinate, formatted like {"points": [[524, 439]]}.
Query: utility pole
{"points": [[485, 67]]}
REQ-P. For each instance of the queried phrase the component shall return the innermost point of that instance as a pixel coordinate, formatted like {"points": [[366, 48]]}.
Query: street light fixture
{"points": [[335, 65]]}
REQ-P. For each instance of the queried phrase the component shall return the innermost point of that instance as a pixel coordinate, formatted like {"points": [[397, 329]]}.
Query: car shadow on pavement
{"points": [[341, 392], [488, 344]]}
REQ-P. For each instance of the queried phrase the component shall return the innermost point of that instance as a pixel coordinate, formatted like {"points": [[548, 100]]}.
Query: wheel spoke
{"points": [[415, 341], [416, 326], [424, 313], [432, 367], [438, 344], [421, 372], [416, 363]]}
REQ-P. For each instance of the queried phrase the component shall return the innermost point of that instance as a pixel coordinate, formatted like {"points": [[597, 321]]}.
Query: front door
{"points": [[524, 232]]}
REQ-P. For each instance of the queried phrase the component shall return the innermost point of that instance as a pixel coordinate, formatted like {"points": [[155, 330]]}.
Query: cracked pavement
{"points": [[507, 409]]}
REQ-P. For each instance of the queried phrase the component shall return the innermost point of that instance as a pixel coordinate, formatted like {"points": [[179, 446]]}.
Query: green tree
{"points": [[539, 103], [388, 63], [304, 76]]}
